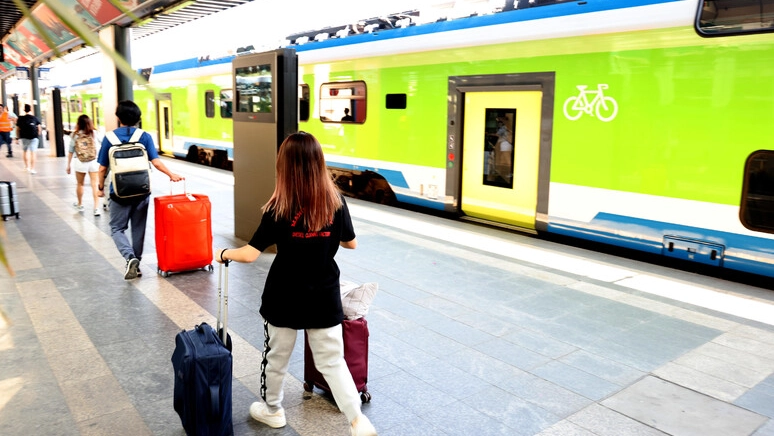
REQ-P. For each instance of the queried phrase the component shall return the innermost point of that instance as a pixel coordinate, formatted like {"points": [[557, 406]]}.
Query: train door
{"points": [[165, 125], [500, 159], [95, 112]]}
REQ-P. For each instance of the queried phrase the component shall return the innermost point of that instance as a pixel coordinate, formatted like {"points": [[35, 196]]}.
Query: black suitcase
{"points": [[203, 370], [9, 203]]}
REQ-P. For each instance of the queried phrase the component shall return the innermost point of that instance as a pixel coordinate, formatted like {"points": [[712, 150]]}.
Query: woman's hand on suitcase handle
{"points": [[244, 254], [219, 256]]}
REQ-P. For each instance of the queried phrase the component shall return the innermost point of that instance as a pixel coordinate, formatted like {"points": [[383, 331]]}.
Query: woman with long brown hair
{"points": [[307, 218], [84, 146]]}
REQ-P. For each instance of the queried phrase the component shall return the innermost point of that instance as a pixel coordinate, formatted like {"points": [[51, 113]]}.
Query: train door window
{"points": [[226, 100], [209, 104], [303, 102], [343, 102], [757, 209], [500, 126], [729, 17]]}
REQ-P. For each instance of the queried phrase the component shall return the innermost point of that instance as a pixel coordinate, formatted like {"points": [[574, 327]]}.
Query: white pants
{"points": [[327, 347]]}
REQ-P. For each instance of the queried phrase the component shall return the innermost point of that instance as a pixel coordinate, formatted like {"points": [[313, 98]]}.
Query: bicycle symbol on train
{"points": [[605, 107]]}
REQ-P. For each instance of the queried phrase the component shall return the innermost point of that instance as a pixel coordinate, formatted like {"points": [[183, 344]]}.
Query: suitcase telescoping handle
{"points": [[172, 187], [223, 302]]}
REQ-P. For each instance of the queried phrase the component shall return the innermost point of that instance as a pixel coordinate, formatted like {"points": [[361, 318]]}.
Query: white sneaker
{"points": [[260, 412], [97, 212], [32, 171], [78, 207], [361, 426]]}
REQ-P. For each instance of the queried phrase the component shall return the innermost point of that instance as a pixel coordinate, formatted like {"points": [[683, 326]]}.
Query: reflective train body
{"points": [[638, 123]]}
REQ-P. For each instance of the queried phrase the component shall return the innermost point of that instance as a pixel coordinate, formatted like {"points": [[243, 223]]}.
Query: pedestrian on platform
{"points": [[29, 132], [84, 143], [7, 127], [308, 219], [129, 211]]}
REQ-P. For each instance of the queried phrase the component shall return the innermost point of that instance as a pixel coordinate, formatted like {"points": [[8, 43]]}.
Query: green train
{"points": [[637, 123]]}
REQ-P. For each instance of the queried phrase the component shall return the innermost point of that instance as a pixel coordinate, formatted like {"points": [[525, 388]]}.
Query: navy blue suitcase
{"points": [[203, 368]]}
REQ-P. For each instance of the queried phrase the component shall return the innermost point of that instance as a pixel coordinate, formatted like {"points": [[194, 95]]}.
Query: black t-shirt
{"points": [[302, 289], [28, 126]]}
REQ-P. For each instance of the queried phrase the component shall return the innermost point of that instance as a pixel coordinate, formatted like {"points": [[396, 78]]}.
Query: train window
{"points": [[209, 104], [757, 210], [500, 125], [395, 101], [226, 102], [343, 102], [76, 105], [729, 17], [303, 102]]}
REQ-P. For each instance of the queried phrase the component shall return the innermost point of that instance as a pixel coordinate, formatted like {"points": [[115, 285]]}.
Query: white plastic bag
{"points": [[356, 299]]}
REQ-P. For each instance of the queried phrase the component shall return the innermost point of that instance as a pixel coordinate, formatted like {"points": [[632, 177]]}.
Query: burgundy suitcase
{"points": [[183, 233], [355, 353]]}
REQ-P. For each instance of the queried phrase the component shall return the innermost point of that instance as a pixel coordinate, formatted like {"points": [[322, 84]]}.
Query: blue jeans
{"points": [[120, 218], [5, 138]]}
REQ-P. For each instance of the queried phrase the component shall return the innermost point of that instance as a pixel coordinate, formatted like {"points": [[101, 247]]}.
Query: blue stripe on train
{"points": [[534, 13], [742, 252]]}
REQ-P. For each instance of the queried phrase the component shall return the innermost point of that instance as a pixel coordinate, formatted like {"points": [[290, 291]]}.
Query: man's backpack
{"points": [[85, 147], [129, 166]]}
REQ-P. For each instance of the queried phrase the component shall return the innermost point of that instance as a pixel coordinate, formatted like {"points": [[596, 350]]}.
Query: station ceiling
{"points": [[24, 46]]}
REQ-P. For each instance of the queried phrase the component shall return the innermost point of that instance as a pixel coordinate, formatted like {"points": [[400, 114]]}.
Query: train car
{"points": [[636, 123]]}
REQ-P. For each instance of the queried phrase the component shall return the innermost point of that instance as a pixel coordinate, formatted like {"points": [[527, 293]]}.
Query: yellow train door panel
{"points": [[501, 150], [165, 125]]}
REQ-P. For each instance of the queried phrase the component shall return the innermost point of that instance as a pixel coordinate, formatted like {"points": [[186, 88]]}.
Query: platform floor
{"points": [[474, 331]]}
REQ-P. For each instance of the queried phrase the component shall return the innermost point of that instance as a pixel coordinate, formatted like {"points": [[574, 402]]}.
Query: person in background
{"points": [[83, 145], [308, 219], [29, 130], [135, 210], [7, 126]]}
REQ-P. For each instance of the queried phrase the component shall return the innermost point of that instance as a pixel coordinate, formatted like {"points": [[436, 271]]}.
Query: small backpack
{"points": [[85, 147], [129, 166]]}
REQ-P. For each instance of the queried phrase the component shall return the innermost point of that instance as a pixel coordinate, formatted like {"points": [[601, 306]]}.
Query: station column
{"points": [[265, 112]]}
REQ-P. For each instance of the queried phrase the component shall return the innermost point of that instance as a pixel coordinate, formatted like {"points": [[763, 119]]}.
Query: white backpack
{"points": [[129, 166]]}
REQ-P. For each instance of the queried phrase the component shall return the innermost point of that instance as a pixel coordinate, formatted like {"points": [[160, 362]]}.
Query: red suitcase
{"points": [[183, 233], [355, 353]]}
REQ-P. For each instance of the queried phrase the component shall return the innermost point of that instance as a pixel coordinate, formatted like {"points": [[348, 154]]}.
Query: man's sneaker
{"points": [[78, 207], [260, 412], [132, 265], [97, 212], [361, 426]]}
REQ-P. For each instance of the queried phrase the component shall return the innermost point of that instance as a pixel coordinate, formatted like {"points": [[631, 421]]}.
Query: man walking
{"points": [[129, 211], [29, 131]]}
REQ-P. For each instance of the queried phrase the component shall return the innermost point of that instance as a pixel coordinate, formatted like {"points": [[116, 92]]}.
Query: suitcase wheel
{"points": [[365, 397], [210, 268], [163, 273]]}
